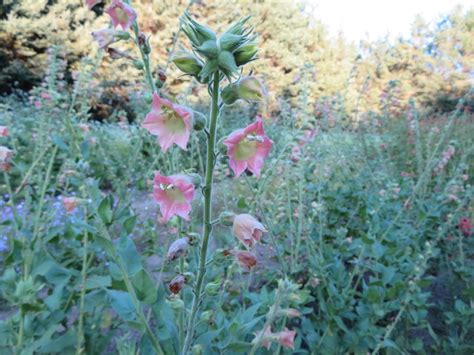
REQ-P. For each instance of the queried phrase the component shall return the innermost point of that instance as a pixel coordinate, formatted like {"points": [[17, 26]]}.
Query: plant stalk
{"points": [[207, 191]]}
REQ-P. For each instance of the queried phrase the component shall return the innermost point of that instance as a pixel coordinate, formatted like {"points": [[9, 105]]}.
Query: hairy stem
{"points": [[207, 191]]}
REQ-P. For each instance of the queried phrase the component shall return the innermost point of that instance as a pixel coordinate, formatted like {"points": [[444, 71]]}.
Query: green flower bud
{"points": [[187, 63], [138, 64], [245, 54], [206, 316], [226, 63], [148, 98], [229, 41], [226, 218], [176, 303], [230, 94], [212, 288], [197, 33], [208, 49], [195, 179], [250, 89], [199, 121], [198, 349]]}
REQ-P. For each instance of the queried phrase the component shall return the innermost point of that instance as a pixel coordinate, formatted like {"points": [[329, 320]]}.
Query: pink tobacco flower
{"points": [[266, 337], [4, 131], [286, 338], [247, 148], [91, 3], [70, 203], [105, 37], [122, 14], [170, 122], [247, 229], [174, 194]]}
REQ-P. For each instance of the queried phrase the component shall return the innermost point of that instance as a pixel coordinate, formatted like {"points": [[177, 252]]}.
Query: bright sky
{"points": [[357, 18]]}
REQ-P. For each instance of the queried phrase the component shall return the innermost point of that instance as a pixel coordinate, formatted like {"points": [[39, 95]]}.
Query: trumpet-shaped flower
{"points": [[247, 229], [247, 148], [174, 195], [286, 338], [122, 14], [170, 122]]}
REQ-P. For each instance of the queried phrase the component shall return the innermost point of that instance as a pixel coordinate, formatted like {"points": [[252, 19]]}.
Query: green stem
{"points": [[80, 331], [207, 191], [145, 58]]}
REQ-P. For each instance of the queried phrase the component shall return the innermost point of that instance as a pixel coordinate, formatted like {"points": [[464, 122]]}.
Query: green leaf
{"points": [[129, 255], [105, 210], [129, 224], [60, 143], [122, 304], [98, 281], [145, 287]]}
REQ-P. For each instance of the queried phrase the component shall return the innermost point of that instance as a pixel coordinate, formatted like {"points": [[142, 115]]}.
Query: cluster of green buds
{"points": [[233, 49]]}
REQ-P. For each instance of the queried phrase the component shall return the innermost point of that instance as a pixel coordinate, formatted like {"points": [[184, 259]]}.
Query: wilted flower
{"points": [[174, 194], [170, 122], [105, 37], [178, 248], [121, 14], [247, 229], [286, 338], [115, 54], [177, 283], [246, 259], [4, 131], [70, 203], [91, 3], [5, 154], [465, 226], [247, 148]]}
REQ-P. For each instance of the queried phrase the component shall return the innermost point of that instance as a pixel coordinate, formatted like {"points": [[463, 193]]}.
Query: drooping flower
{"points": [[178, 248], [122, 14], [176, 285], [246, 259], [174, 194], [465, 226], [4, 131], [247, 148], [286, 338], [170, 122], [70, 203], [105, 37], [247, 229], [91, 3], [5, 154]]}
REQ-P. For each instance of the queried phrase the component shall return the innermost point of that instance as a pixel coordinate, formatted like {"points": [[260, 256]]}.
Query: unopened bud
{"points": [[199, 121], [206, 316], [245, 54], [212, 288], [162, 75], [250, 89], [187, 63], [226, 218], [176, 303], [198, 349], [138, 64]]}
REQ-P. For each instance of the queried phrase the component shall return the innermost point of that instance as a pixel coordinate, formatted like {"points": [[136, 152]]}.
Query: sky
{"points": [[373, 19]]}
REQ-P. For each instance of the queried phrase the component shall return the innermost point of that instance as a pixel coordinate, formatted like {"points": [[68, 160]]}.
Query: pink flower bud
{"points": [[177, 284], [247, 229], [4, 131], [84, 127]]}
